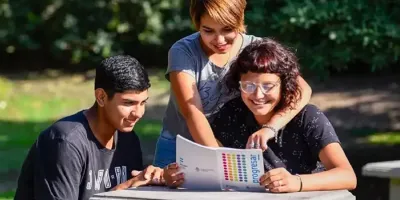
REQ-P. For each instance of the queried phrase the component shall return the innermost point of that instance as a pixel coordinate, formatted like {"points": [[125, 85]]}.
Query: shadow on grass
{"points": [[361, 105]]}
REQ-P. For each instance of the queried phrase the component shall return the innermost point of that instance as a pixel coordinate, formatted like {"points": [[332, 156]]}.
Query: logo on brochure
{"points": [[255, 173], [203, 169], [181, 164]]}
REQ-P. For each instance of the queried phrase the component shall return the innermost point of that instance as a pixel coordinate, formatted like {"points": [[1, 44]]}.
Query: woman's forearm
{"points": [[200, 129], [334, 179], [284, 116]]}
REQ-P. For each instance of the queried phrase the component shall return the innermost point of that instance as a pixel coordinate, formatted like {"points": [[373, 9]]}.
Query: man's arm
{"points": [[58, 167], [25, 180]]}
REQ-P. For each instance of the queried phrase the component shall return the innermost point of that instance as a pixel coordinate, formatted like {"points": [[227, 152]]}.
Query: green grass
{"points": [[7, 195], [389, 138], [373, 136], [158, 81], [27, 107], [148, 129]]}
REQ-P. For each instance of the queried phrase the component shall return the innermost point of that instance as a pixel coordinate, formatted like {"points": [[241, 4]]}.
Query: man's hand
{"points": [[259, 139], [173, 178], [150, 175]]}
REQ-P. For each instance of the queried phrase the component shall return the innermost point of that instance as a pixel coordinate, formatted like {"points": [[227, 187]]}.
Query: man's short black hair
{"points": [[120, 73]]}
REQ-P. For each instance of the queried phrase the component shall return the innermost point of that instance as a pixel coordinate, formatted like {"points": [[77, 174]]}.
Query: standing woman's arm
{"points": [[181, 74], [189, 103]]}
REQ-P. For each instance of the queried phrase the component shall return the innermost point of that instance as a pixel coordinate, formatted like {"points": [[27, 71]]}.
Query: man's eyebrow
{"points": [[132, 100]]}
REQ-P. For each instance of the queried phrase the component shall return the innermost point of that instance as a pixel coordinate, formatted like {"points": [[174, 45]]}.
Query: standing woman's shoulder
{"points": [[187, 44], [248, 38], [184, 55]]}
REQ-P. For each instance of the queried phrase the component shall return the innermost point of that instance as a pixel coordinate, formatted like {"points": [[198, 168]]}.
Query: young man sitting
{"points": [[93, 150]]}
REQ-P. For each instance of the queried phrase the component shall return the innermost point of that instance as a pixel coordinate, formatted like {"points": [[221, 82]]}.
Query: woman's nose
{"points": [[220, 39], [258, 92]]}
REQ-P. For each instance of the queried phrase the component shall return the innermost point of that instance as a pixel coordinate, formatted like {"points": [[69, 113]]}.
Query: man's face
{"points": [[125, 109]]}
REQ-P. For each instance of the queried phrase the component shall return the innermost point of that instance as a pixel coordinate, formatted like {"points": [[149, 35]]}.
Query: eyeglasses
{"points": [[250, 87]]}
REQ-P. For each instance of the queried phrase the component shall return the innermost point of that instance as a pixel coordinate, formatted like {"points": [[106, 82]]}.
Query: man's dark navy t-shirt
{"points": [[299, 143], [68, 162]]}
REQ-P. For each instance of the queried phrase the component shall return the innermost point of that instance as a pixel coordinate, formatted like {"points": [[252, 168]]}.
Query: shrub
{"points": [[332, 34], [328, 35]]}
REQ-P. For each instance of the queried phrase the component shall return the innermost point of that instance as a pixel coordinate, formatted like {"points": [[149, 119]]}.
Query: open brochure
{"points": [[219, 168]]}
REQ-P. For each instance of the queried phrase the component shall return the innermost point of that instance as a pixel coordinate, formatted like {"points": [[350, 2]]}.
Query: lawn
{"points": [[29, 105], [7, 195]]}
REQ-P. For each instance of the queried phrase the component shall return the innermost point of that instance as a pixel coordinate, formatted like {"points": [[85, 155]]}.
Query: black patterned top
{"points": [[299, 143]]}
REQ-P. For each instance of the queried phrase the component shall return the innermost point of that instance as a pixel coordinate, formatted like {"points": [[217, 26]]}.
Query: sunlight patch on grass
{"points": [[37, 108], [33, 105], [158, 80], [390, 138], [5, 88]]}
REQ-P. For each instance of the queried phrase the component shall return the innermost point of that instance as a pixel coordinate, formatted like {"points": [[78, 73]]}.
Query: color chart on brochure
{"points": [[235, 168]]}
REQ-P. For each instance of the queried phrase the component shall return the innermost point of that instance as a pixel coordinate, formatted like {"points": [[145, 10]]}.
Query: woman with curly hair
{"points": [[306, 154]]}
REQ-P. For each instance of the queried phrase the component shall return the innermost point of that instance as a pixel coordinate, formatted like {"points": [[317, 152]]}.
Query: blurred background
{"points": [[349, 53]]}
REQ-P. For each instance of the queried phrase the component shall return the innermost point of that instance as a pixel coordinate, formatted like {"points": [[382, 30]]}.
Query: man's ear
{"points": [[100, 96]]}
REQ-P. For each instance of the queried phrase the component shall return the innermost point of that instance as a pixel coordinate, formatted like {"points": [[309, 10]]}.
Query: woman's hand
{"points": [[280, 180], [172, 176], [259, 139]]}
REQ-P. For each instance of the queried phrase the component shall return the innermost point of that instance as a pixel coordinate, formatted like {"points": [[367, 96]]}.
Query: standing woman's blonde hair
{"points": [[227, 12]]}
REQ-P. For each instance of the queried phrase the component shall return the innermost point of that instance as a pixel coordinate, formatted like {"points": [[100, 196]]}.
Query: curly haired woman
{"points": [[306, 154]]}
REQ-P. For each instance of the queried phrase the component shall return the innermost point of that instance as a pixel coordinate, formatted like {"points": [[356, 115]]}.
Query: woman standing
{"points": [[197, 65]]}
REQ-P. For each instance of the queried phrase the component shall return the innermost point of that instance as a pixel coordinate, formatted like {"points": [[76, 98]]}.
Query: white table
{"points": [[386, 169], [163, 193]]}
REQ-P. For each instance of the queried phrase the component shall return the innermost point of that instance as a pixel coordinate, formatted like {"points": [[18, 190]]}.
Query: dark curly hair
{"points": [[268, 56]]}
